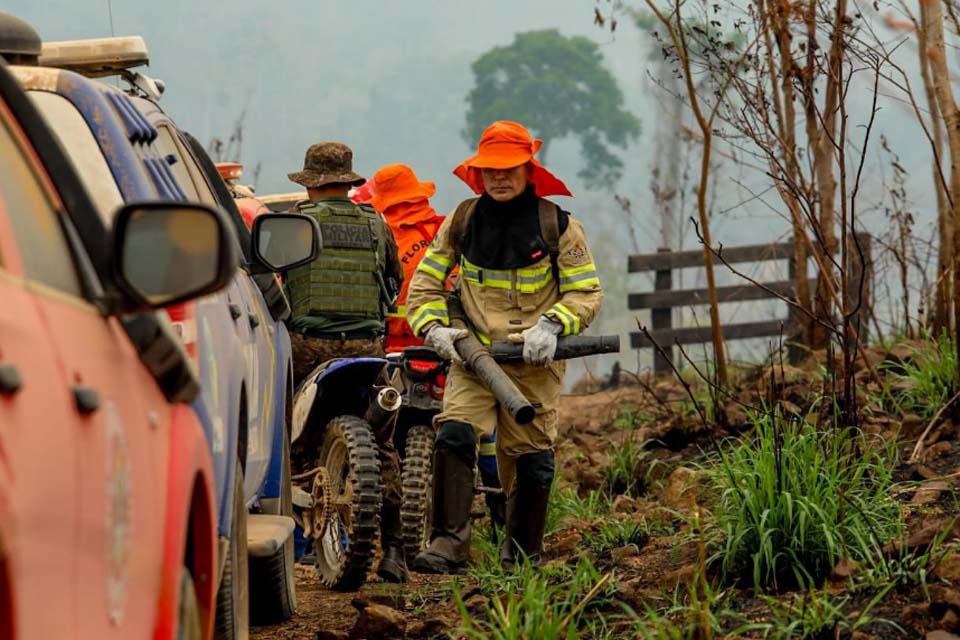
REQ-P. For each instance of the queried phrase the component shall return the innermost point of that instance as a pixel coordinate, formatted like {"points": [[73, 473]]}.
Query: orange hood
{"points": [[410, 213], [505, 145]]}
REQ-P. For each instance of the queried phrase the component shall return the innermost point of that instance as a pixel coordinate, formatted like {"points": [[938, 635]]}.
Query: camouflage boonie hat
{"points": [[327, 163]]}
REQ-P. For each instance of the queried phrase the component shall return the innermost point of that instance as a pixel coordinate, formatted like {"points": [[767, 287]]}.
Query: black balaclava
{"points": [[506, 235]]}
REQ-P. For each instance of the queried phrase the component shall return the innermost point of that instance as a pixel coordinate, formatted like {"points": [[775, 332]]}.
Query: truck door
{"points": [[38, 465], [119, 441]]}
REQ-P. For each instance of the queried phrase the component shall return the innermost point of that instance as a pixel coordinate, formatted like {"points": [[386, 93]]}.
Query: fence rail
{"points": [[664, 298]]}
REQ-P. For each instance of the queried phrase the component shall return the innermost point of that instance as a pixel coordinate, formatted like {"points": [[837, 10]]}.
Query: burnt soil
{"points": [[660, 414]]}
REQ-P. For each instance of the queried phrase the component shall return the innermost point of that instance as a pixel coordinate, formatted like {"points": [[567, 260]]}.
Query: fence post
{"points": [[662, 318], [795, 319]]}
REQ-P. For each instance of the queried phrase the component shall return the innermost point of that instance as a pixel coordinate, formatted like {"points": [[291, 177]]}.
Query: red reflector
{"points": [[178, 312]]}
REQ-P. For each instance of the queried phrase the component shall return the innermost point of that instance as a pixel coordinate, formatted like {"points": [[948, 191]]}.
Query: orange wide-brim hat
{"points": [[504, 145], [393, 184]]}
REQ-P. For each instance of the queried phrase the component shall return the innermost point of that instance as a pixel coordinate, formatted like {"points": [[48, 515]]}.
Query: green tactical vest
{"points": [[343, 280]]}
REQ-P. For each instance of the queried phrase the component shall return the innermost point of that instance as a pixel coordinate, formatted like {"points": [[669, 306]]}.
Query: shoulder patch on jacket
{"points": [[578, 254]]}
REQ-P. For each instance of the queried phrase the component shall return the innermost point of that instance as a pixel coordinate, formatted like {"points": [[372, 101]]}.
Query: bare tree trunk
{"points": [[936, 52], [706, 129], [777, 22], [824, 163], [941, 307]]}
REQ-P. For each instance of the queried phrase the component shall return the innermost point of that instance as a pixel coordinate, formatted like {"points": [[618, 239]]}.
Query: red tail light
{"points": [[423, 366]]}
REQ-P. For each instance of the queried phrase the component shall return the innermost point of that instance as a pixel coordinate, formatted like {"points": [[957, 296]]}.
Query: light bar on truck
{"points": [[230, 170], [96, 57]]}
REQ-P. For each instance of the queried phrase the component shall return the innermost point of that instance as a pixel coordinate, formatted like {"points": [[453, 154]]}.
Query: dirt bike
{"points": [[420, 375], [336, 466]]}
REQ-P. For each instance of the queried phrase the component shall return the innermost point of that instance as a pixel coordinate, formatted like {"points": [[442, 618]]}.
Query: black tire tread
{"points": [[271, 572], [364, 463], [188, 609], [273, 593], [225, 627], [416, 480]]}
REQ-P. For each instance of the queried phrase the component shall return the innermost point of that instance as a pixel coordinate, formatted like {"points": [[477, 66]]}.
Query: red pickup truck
{"points": [[107, 514]]}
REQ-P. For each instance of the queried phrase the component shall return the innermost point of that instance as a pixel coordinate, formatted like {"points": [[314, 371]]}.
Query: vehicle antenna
{"points": [[110, 13]]}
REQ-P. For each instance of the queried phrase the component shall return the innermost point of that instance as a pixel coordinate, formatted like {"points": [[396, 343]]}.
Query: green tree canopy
{"points": [[556, 86]]}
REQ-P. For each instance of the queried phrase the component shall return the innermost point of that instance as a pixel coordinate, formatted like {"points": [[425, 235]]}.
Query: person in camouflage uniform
{"points": [[340, 302]]}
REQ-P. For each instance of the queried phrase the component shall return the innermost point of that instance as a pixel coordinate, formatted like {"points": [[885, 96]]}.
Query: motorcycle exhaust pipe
{"points": [[383, 408]]}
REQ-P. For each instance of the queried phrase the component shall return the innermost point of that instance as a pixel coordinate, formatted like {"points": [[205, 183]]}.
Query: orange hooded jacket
{"points": [[414, 224]]}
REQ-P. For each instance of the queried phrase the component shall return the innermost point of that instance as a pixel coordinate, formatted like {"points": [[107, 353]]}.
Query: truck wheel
{"points": [[416, 510], [188, 613], [345, 549], [273, 581], [233, 596]]}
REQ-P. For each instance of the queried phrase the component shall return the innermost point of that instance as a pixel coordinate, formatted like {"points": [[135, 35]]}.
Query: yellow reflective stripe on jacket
{"points": [[427, 313], [569, 320], [576, 278], [529, 279], [435, 264], [401, 312], [533, 279], [493, 278], [488, 448]]}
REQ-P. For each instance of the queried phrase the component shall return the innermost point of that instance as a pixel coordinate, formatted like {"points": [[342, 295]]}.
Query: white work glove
{"points": [[441, 339], [539, 341]]}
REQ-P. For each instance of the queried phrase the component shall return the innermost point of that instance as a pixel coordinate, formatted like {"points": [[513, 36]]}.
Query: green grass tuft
{"points": [[624, 474], [537, 603], [927, 380], [795, 501]]}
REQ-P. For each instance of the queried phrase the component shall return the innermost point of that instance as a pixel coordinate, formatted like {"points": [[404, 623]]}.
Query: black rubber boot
{"points": [[454, 457], [393, 567], [527, 508]]}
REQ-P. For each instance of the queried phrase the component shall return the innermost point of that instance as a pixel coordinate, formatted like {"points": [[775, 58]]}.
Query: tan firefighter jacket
{"points": [[501, 302]]}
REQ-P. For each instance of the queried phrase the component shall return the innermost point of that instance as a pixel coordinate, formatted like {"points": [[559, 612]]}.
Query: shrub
{"points": [[795, 501]]}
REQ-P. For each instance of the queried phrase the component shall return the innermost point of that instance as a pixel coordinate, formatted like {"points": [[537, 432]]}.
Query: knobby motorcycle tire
{"points": [[364, 476], [417, 479]]}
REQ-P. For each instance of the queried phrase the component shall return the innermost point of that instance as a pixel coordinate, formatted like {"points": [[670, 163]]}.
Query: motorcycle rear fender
{"points": [[334, 386]]}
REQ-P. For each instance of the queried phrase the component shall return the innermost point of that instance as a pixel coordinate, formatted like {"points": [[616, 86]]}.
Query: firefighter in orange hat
{"points": [[526, 274], [397, 193], [404, 202]]}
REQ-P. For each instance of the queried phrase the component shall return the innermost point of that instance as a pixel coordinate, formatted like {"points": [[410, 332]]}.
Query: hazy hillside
{"points": [[390, 78]]}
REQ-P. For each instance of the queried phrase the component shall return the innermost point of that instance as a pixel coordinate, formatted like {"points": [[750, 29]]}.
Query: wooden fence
{"points": [[664, 298]]}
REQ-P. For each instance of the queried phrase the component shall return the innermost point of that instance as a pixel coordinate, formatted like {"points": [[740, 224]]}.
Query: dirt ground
{"points": [[427, 599], [595, 422]]}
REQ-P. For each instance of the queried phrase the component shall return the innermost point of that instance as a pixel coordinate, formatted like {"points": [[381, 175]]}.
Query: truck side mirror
{"points": [[168, 252], [282, 241]]}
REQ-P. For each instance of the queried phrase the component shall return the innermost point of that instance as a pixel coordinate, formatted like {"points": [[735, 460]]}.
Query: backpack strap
{"points": [[550, 232], [458, 226], [549, 229]]}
